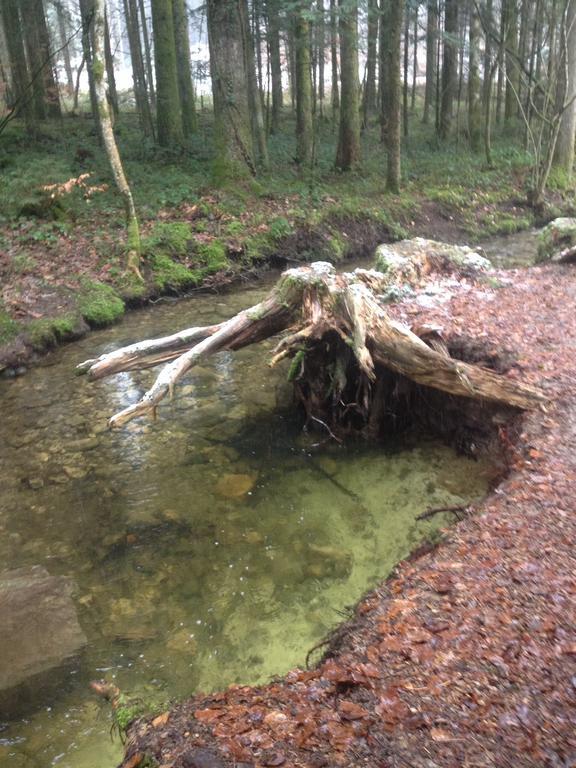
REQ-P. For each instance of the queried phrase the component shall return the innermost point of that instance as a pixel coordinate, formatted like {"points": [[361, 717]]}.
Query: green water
{"points": [[215, 545]]}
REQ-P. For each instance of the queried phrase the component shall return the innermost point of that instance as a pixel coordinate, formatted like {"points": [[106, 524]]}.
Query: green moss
{"points": [[8, 327], [280, 227], [47, 332], [99, 304], [173, 237], [212, 255], [173, 275], [295, 365]]}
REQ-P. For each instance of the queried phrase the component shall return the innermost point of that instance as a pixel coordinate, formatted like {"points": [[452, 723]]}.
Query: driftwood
{"points": [[342, 340]]}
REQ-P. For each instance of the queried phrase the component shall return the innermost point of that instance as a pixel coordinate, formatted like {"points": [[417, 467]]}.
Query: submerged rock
{"points": [[39, 628], [235, 486], [556, 237]]}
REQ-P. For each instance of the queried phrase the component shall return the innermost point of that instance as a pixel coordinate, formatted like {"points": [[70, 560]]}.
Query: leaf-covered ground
{"points": [[466, 656]]}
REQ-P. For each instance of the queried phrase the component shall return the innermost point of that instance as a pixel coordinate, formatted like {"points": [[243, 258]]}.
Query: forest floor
{"points": [[466, 655], [62, 256]]}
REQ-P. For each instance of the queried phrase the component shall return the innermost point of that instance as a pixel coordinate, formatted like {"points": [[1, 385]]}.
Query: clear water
{"points": [[215, 545]]}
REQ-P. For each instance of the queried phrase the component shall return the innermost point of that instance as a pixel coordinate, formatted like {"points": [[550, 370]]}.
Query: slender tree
{"points": [[304, 127], [510, 23], [259, 142], [22, 101], [348, 152], [168, 108], [431, 62], [185, 86], [320, 47], [334, 57], [147, 59], [273, 18], [369, 99], [393, 128], [63, 32], [474, 97], [138, 74], [449, 68], [109, 58], [566, 95], [107, 133]]}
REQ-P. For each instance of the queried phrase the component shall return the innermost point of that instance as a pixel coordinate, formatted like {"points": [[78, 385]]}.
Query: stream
{"points": [[216, 545]]}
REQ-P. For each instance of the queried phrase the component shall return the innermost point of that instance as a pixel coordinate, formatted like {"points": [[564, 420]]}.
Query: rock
{"points": [[83, 444], [556, 237], [408, 262], [235, 486], [39, 629], [328, 562], [35, 483]]}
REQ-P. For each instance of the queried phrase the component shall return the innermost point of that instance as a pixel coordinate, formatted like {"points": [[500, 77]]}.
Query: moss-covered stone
{"points": [[555, 237], [99, 304], [46, 333]]}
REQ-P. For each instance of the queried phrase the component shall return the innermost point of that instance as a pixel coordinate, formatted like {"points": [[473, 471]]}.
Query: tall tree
{"points": [[87, 15], [304, 126], [260, 148], [138, 74], [431, 62], [232, 125], [109, 58], [107, 133], [393, 127], [449, 68], [168, 108], [474, 99], [21, 94], [320, 46], [273, 18], [510, 23], [184, 67], [566, 96], [38, 51], [348, 152], [147, 59], [335, 94], [369, 100], [383, 61], [63, 32]]}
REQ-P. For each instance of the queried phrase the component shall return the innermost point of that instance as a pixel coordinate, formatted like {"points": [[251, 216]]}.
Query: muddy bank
{"points": [[467, 654]]}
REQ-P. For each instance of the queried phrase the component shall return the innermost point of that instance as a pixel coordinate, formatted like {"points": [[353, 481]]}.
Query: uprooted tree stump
{"points": [[350, 359]]}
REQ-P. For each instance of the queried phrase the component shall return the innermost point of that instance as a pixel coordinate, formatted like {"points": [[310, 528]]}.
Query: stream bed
{"points": [[213, 546]]}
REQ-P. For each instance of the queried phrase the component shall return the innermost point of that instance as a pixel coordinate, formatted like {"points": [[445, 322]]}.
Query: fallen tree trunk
{"points": [[341, 339]]}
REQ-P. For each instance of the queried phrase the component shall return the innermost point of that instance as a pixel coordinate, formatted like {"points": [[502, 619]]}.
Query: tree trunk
{"points": [[369, 100], [321, 46], [147, 59], [87, 13], [260, 147], [185, 87], [335, 323], [414, 60], [22, 100], [431, 63], [449, 68], [65, 45], [138, 75], [112, 92], [348, 152], [383, 79], [304, 128], [393, 130], [168, 107], [510, 12], [566, 97], [474, 100], [405, 117], [230, 91], [334, 57], [272, 13], [107, 133]]}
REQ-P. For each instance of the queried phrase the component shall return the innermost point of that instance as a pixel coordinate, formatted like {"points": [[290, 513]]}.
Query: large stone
{"points": [[407, 263], [556, 237], [39, 630]]}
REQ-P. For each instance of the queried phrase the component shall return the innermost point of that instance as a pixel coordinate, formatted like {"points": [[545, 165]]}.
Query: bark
{"points": [[405, 118], [566, 97], [169, 128], [383, 79], [334, 322], [230, 91], [64, 44], [348, 152], [260, 147], [393, 126], [51, 93], [21, 94], [414, 59], [510, 21], [334, 57], [449, 68], [431, 63], [272, 13], [34, 57], [87, 13], [304, 128], [321, 45], [138, 75], [109, 141], [369, 100], [185, 87], [474, 100], [147, 51], [112, 92]]}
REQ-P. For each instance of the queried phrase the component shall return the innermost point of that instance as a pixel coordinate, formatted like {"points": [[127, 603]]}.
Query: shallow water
{"points": [[215, 545]]}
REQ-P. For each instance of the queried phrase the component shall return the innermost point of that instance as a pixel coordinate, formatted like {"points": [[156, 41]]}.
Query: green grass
{"points": [[8, 326]]}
